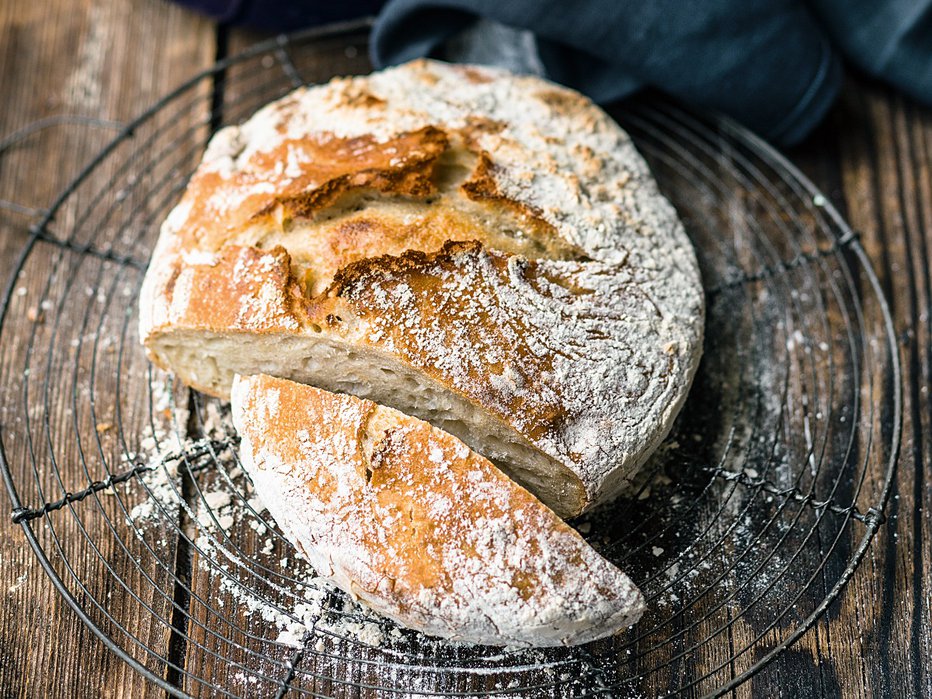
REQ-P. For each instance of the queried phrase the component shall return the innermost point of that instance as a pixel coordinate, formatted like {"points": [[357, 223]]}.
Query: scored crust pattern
{"points": [[498, 236]]}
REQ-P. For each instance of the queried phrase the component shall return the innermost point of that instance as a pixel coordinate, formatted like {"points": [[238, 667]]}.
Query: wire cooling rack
{"points": [[742, 531]]}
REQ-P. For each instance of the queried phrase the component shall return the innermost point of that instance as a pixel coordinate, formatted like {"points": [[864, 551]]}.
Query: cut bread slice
{"points": [[484, 251], [410, 521]]}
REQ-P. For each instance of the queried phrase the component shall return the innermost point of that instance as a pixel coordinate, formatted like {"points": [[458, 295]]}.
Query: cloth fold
{"points": [[765, 62], [774, 65], [890, 39]]}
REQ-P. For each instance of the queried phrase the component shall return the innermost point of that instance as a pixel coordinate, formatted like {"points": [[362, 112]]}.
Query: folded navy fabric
{"points": [[890, 39], [765, 62], [772, 64]]}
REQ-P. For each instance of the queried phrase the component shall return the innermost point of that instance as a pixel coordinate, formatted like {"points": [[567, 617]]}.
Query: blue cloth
{"points": [[772, 64], [890, 39]]}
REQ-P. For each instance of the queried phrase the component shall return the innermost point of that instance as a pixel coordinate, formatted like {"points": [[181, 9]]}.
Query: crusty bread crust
{"points": [[425, 531], [492, 241]]}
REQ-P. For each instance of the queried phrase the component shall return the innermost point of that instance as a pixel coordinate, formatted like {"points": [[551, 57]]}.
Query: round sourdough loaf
{"points": [[420, 528], [484, 251]]}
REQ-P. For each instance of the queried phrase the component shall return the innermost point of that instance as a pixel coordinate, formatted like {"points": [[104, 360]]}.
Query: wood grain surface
{"points": [[109, 59], [873, 159], [75, 58]]}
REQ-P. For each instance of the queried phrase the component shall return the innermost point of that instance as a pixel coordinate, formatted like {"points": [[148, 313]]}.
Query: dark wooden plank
{"points": [[107, 60], [873, 160]]}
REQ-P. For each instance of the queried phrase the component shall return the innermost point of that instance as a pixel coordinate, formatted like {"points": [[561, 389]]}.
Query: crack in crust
{"points": [[403, 166], [501, 238]]}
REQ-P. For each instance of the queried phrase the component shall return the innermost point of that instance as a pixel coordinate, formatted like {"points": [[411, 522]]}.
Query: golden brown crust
{"points": [[482, 186], [496, 235], [564, 102], [226, 294], [500, 341], [238, 289], [420, 527], [326, 168]]}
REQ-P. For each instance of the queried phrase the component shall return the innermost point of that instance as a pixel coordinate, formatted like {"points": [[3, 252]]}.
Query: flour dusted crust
{"points": [[408, 519], [483, 251]]}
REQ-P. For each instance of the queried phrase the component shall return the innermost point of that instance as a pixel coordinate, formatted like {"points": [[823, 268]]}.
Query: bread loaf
{"points": [[419, 527], [486, 252]]}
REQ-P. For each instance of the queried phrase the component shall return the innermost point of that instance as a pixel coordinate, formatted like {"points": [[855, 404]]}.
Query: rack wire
{"points": [[742, 531]]}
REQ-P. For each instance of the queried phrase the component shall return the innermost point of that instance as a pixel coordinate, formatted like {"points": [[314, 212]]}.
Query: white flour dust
{"points": [[222, 509]]}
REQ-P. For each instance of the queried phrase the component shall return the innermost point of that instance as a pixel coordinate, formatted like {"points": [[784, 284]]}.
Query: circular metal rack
{"points": [[741, 532]]}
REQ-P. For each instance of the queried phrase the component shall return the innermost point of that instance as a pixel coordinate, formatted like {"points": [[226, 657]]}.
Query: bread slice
{"points": [[408, 519], [483, 251]]}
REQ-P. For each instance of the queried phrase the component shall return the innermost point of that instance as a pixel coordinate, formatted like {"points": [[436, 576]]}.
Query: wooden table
{"points": [[872, 158]]}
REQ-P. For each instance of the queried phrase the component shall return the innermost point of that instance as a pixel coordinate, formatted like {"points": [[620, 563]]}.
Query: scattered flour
{"points": [[298, 607], [224, 508]]}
